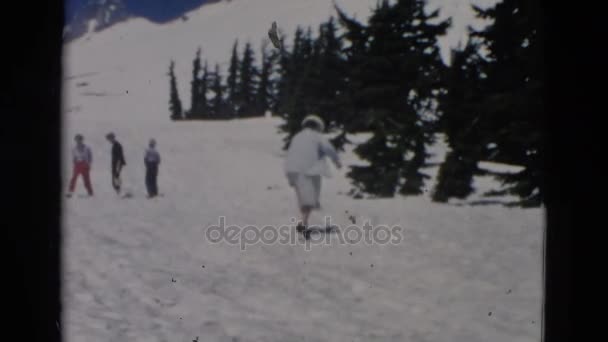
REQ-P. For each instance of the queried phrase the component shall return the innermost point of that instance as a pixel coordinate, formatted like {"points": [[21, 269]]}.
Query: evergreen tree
{"points": [[280, 65], [246, 88], [355, 53], [263, 97], [493, 105], [288, 77], [203, 102], [460, 122], [232, 80], [328, 86], [218, 108], [398, 75], [195, 84], [307, 48], [319, 82], [314, 81], [514, 81], [297, 102], [175, 104]]}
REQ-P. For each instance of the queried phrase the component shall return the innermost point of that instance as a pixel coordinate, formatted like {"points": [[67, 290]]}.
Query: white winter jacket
{"points": [[82, 154], [306, 154]]}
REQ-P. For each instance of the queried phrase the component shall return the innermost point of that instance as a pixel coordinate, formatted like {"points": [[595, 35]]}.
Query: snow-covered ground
{"points": [[144, 270]]}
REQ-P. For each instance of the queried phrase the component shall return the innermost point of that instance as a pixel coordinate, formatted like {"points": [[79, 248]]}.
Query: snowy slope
{"points": [[133, 268], [454, 266]]}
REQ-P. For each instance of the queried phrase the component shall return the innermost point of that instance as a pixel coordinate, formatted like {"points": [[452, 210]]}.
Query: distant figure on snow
{"points": [[305, 165], [82, 158], [152, 161], [118, 161]]}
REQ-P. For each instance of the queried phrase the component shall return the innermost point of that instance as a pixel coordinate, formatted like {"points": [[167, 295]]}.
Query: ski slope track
{"points": [[143, 270]]}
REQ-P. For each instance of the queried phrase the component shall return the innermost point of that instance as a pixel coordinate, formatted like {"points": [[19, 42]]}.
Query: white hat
{"points": [[315, 119]]}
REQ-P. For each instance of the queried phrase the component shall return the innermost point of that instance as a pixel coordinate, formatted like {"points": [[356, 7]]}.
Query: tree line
{"points": [[385, 77]]}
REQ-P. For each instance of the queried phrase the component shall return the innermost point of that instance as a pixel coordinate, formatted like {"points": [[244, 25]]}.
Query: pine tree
{"points": [[195, 104], [288, 70], [328, 84], [309, 79], [319, 82], [263, 97], [218, 105], [246, 88], [232, 80], [460, 122], [296, 95], [313, 81], [280, 65], [493, 104], [514, 81], [175, 104], [203, 102], [355, 54], [398, 75]]}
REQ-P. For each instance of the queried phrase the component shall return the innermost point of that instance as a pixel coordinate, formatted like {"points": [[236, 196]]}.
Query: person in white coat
{"points": [[305, 164]]}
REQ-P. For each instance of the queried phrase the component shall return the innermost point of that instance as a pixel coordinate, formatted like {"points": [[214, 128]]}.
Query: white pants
{"points": [[308, 189]]}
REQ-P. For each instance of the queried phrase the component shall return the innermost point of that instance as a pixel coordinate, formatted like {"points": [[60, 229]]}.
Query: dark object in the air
{"points": [[273, 34]]}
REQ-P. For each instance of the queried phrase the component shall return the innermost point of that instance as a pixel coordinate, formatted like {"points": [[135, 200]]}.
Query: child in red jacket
{"points": [[82, 159]]}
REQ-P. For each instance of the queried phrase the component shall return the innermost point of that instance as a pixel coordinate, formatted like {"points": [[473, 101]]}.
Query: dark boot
{"points": [[300, 228]]}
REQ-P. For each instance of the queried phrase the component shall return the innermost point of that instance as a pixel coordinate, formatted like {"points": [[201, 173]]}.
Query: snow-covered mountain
{"points": [[143, 270], [82, 15], [94, 16]]}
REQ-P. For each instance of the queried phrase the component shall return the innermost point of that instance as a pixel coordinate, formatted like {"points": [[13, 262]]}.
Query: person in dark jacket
{"points": [[118, 161], [152, 161]]}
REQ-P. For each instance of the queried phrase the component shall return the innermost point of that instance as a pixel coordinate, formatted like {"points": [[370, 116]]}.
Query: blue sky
{"points": [[156, 10]]}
